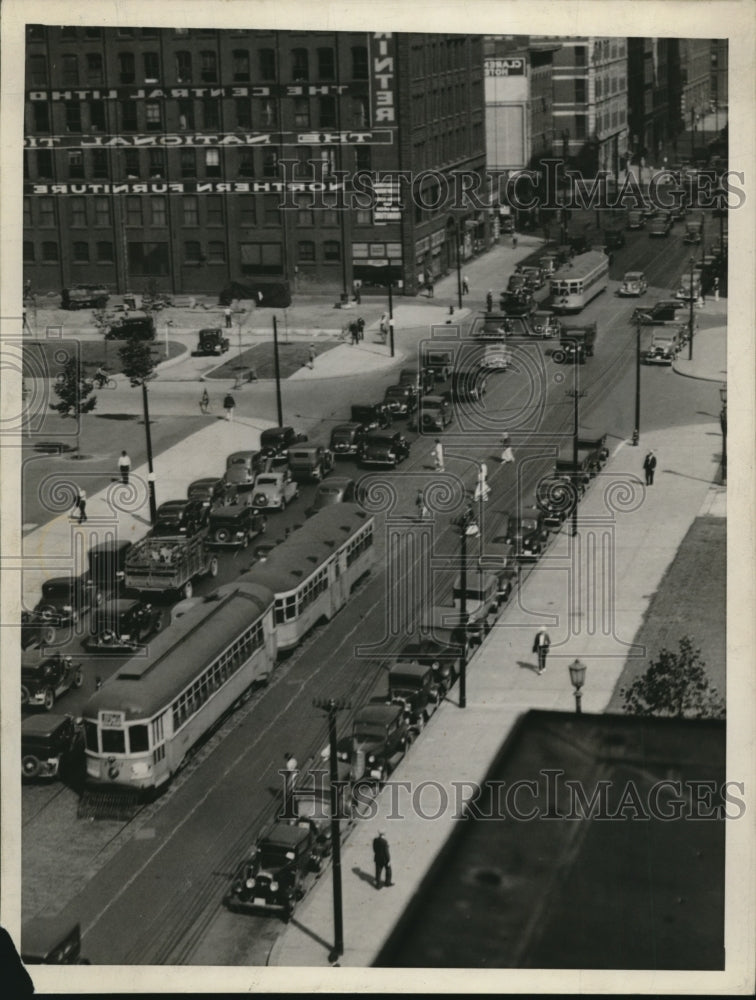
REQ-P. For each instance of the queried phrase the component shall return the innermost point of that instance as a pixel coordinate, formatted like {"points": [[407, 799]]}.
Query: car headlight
{"points": [[274, 886], [250, 883], [68, 607], [371, 758]]}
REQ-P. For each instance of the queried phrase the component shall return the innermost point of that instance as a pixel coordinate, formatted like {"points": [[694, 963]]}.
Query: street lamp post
{"points": [[391, 311], [150, 470], [465, 521], [723, 426], [277, 371], [459, 266], [636, 432], [691, 262], [577, 678], [575, 394]]}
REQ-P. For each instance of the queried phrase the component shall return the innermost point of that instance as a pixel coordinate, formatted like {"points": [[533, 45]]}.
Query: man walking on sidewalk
{"points": [[228, 405], [382, 858], [438, 455], [124, 467], [465, 285], [649, 467], [541, 645], [81, 503]]}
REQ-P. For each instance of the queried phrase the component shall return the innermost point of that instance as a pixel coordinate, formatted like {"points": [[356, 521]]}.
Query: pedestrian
{"points": [[430, 286], [507, 455], [438, 455], [204, 402], [489, 301], [514, 241], [716, 289], [228, 317], [353, 332], [482, 489], [81, 503], [360, 328], [228, 405], [422, 510], [290, 778], [465, 285], [541, 645], [311, 362], [357, 289], [382, 858], [124, 467], [649, 467], [384, 325]]}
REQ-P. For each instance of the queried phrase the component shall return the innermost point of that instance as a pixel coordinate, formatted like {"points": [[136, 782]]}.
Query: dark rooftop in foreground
{"points": [[608, 893]]}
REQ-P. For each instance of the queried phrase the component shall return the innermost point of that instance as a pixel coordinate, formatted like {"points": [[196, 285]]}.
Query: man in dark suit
{"points": [[541, 645], [382, 858], [649, 467]]}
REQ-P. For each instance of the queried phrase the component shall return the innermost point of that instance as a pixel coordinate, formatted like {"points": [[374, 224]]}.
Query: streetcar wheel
{"points": [[49, 701], [188, 589], [30, 766]]}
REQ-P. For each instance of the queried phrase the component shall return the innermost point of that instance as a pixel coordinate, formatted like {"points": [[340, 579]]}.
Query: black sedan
{"points": [[180, 517], [384, 447], [121, 626], [211, 491]]}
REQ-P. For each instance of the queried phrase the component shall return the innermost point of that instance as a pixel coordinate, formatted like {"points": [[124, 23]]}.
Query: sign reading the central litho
{"points": [[375, 137]]}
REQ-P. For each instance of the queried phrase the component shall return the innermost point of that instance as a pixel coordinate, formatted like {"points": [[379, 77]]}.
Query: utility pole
{"points": [[690, 319], [636, 432], [277, 369], [459, 267], [575, 393], [150, 471], [391, 312]]}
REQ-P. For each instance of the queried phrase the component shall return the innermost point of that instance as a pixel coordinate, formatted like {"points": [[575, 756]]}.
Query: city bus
{"points": [[578, 281], [313, 572], [144, 720]]}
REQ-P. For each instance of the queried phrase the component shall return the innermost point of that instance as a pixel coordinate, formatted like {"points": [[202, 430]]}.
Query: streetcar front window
{"points": [[138, 739], [113, 741], [90, 736]]}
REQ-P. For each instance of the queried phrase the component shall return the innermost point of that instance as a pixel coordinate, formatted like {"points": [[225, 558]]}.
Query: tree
{"points": [[138, 360], [74, 392], [675, 685]]}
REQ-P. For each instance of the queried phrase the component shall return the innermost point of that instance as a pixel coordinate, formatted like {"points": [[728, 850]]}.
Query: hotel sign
{"points": [[504, 67]]}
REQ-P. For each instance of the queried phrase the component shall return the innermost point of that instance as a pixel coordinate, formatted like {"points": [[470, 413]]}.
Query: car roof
{"points": [[382, 432], [350, 425], [60, 583], [409, 669], [173, 505], [632, 275], [271, 433], [434, 400], [119, 606], [206, 481], [228, 510], [210, 329], [43, 725], [113, 545], [284, 835], [380, 714]]}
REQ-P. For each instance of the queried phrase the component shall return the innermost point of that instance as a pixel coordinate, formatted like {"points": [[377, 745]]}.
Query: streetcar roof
{"points": [[582, 266]]}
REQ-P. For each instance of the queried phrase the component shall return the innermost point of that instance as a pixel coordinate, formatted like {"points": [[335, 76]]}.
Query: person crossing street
{"points": [[438, 455]]}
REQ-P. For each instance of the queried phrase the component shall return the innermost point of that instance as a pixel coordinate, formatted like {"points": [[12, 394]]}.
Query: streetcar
{"points": [[578, 281], [313, 572], [142, 723]]}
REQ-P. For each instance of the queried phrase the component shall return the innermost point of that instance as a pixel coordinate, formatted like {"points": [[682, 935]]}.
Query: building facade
{"points": [[652, 121], [188, 159], [695, 79]]}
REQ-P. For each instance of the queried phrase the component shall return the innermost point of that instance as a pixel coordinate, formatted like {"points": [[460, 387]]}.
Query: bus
{"points": [[313, 572], [144, 720], [578, 281]]}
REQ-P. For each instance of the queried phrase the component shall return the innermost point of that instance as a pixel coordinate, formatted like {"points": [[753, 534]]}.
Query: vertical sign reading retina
{"points": [[382, 77]]}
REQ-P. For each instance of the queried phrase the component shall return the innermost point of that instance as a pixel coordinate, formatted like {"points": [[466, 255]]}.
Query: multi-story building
{"points": [[188, 159], [719, 88], [695, 79], [652, 117]]}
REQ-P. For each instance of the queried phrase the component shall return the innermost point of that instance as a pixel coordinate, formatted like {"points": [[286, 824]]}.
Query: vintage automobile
{"points": [[434, 414], [693, 231], [242, 467], [495, 357], [51, 745], [576, 344], [275, 875], [444, 659], [139, 325], [276, 441], [579, 242], [614, 239], [36, 630], [307, 462], [635, 219], [533, 275], [496, 557], [384, 447], [401, 400], [212, 341], [516, 282], [520, 303], [422, 379], [51, 940], [661, 313], [380, 738], [664, 348], [556, 497], [595, 447], [413, 686], [371, 415], [338, 489], [548, 264], [107, 564], [346, 439], [650, 211], [633, 283], [180, 517], [122, 625], [234, 525], [273, 490], [661, 225], [65, 599], [439, 361], [84, 297], [212, 491], [689, 285], [544, 323], [527, 534], [506, 223], [44, 680]]}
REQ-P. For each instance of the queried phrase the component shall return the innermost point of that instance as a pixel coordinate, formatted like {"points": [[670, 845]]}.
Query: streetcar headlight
{"points": [[140, 769]]}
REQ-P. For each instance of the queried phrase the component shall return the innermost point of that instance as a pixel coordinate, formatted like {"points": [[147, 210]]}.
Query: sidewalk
{"points": [[634, 530]]}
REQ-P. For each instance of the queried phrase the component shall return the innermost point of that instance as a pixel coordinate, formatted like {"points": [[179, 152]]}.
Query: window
{"points": [[80, 252], [300, 69], [305, 216], [246, 163], [102, 212], [125, 31], [260, 258], [186, 113], [216, 252], [359, 63], [188, 162], [183, 67], [156, 162], [104, 251], [153, 116], [97, 116], [46, 210], [241, 65], [131, 162], [128, 116], [70, 76], [326, 64], [99, 160], [149, 259], [304, 154], [211, 113], [271, 211], [126, 67], [327, 106], [78, 208], [328, 159], [362, 158], [49, 252], [41, 112], [27, 213], [364, 217], [92, 33], [151, 63], [158, 209], [75, 163], [212, 163], [360, 113], [133, 211], [306, 252], [138, 739], [580, 90], [192, 252], [28, 252], [266, 59], [243, 107], [580, 126], [37, 71], [191, 210], [248, 210], [270, 163], [580, 54], [94, 67], [73, 116], [331, 250], [208, 67], [329, 216], [268, 112], [214, 207], [302, 112]]}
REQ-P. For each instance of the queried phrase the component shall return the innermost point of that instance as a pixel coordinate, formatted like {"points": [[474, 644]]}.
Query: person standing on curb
{"points": [[228, 317], [81, 503], [228, 405], [482, 489], [649, 467], [541, 645], [514, 241], [489, 301], [438, 455], [290, 778], [357, 289], [382, 858], [312, 355], [716, 289], [124, 467], [465, 285], [204, 402]]}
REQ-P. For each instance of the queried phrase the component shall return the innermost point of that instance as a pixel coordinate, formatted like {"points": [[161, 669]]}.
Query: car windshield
{"points": [[633, 276], [57, 589], [329, 491], [366, 731], [266, 481], [274, 856], [381, 442]]}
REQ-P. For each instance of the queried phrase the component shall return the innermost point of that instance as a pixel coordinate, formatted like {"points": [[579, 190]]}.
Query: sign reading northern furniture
{"points": [[184, 187]]}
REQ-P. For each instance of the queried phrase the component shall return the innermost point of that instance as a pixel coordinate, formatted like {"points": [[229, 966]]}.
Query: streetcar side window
{"points": [[113, 741], [90, 736], [138, 739]]}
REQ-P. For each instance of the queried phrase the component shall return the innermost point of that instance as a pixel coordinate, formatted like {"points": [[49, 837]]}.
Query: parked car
{"points": [[51, 745], [693, 231], [661, 225], [312, 810], [338, 489], [544, 323], [439, 361], [635, 219], [212, 341], [533, 275], [36, 630], [51, 940], [633, 283], [527, 534], [235, 525], [579, 242], [661, 313], [308, 462], [443, 659], [122, 625], [346, 439], [180, 517], [401, 400], [435, 413], [379, 739], [44, 680], [212, 491], [548, 264], [107, 564], [93, 296], [276, 441], [65, 599], [413, 686], [664, 348], [274, 877], [520, 303], [135, 324], [242, 467], [371, 415], [384, 447], [422, 379], [614, 239], [274, 490], [517, 282]]}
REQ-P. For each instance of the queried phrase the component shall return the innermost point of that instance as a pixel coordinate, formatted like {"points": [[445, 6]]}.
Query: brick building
{"points": [[653, 118], [183, 158]]}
